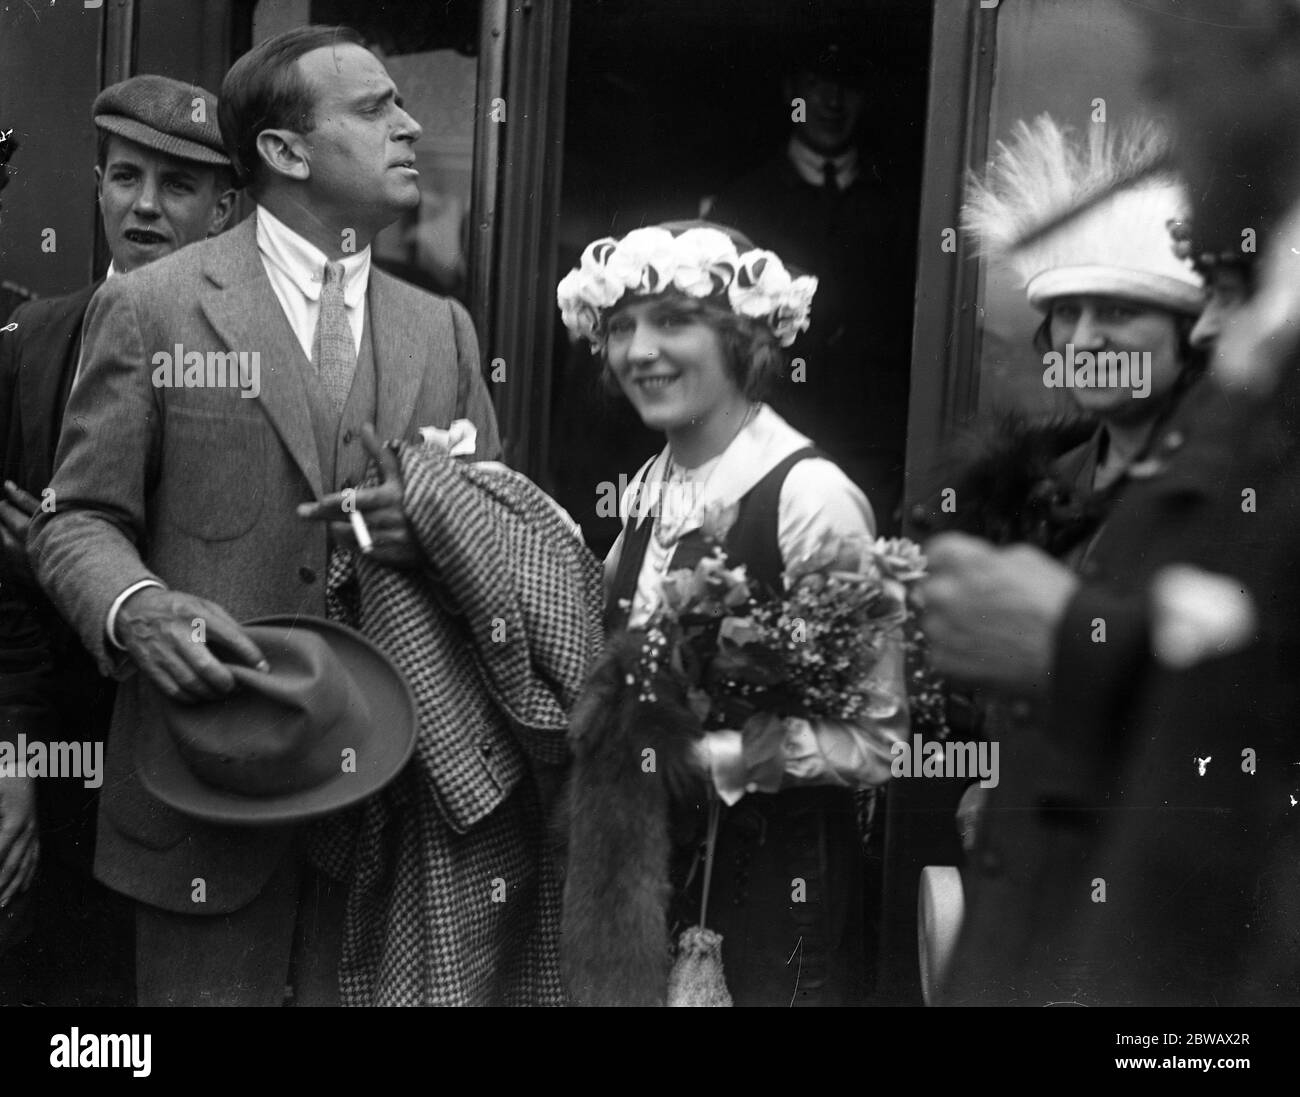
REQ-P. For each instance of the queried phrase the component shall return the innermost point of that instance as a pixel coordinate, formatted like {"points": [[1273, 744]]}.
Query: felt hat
{"points": [[329, 724], [163, 114]]}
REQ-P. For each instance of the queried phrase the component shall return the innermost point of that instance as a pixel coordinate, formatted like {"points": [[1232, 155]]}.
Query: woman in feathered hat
{"points": [[1087, 226], [1119, 305], [689, 321]]}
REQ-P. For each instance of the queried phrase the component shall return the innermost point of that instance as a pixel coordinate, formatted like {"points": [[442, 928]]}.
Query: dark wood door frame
{"points": [[945, 341], [920, 827], [523, 70]]}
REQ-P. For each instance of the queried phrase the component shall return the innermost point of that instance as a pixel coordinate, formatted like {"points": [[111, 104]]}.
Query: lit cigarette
{"points": [[361, 532]]}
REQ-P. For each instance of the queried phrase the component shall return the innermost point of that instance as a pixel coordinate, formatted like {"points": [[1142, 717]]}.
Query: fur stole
{"points": [[1009, 488], [631, 761]]}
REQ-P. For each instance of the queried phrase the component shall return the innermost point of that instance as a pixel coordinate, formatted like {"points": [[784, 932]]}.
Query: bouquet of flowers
{"points": [[750, 657], [809, 652]]}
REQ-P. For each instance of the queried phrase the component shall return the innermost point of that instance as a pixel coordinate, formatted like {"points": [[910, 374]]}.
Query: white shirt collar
{"points": [[811, 165], [765, 442], [110, 272], [304, 264]]}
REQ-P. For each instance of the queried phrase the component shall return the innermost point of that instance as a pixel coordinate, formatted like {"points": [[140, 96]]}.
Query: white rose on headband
{"points": [[791, 316], [574, 295], [600, 286], [645, 260], [764, 290], [760, 285], [706, 262]]}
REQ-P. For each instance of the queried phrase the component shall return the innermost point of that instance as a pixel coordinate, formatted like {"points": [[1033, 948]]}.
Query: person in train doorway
{"points": [[184, 503], [163, 182], [821, 203]]}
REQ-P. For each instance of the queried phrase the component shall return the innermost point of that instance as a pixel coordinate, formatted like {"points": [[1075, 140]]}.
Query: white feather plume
{"points": [[1044, 172]]}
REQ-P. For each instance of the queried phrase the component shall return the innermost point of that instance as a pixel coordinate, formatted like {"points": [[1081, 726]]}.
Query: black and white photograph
{"points": [[639, 503]]}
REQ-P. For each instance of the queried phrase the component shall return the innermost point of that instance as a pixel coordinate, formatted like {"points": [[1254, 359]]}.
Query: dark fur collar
{"points": [[1005, 484]]}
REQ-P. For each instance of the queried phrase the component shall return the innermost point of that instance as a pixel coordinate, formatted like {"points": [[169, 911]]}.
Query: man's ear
{"points": [[222, 208], [285, 153], [99, 182]]}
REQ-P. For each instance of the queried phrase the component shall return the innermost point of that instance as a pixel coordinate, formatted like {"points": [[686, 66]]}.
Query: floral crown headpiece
{"points": [[700, 262]]}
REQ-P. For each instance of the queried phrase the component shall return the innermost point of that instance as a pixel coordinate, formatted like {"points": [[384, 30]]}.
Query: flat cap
{"points": [[167, 115]]}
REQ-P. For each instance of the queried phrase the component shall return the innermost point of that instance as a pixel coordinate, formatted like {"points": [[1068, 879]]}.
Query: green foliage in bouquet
{"points": [[809, 652]]}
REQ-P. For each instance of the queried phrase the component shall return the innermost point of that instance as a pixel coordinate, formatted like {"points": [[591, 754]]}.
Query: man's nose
{"points": [[408, 129], [146, 198]]}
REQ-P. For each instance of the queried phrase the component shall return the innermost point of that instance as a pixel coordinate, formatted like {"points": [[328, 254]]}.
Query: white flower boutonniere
{"points": [[458, 440]]}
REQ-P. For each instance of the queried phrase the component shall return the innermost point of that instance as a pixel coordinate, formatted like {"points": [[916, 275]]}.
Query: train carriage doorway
{"points": [[678, 110]]}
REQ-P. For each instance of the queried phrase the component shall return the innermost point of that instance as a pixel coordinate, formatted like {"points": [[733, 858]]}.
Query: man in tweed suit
{"points": [[177, 503]]}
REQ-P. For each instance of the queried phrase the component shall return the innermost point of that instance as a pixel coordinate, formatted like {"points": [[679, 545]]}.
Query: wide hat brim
{"points": [[385, 741]]}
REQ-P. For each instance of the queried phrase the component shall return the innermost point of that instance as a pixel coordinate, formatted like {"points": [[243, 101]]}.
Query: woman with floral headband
{"points": [[689, 321]]}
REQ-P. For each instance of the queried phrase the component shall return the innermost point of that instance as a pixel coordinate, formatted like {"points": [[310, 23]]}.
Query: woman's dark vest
{"points": [[753, 540], [767, 840]]}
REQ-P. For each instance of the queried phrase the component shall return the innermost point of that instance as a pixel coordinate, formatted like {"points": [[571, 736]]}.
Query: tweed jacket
{"points": [[454, 896], [197, 487]]}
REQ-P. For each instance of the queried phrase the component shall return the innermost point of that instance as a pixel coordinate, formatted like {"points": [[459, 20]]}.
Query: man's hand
{"points": [[393, 541], [16, 510], [990, 614], [19, 842], [157, 628]]}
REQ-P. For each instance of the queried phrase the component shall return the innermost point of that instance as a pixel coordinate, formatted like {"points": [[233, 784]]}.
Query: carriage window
{"points": [[1081, 63], [428, 50]]}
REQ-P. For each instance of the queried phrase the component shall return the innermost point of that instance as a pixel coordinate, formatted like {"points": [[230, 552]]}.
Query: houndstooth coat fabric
{"points": [[454, 895]]}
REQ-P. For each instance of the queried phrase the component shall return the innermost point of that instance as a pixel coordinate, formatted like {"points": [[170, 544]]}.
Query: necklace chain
{"points": [[667, 535]]}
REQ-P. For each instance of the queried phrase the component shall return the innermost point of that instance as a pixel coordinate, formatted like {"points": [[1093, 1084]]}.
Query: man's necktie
{"points": [[333, 352], [829, 184]]}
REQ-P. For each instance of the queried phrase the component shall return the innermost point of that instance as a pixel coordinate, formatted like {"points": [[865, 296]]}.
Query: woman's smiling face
{"points": [[669, 361], [1095, 323]]}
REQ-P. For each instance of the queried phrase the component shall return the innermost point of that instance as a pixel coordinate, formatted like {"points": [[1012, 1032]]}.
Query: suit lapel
{"points": [[241, 305], [49, 359], [400, 354]]}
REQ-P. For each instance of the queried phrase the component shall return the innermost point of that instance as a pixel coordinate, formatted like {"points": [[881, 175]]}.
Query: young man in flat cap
{"points": [[177, 503], [163, 182]]}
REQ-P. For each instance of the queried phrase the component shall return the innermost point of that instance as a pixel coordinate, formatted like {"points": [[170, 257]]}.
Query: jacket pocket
{"points": [[212, 471]]}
